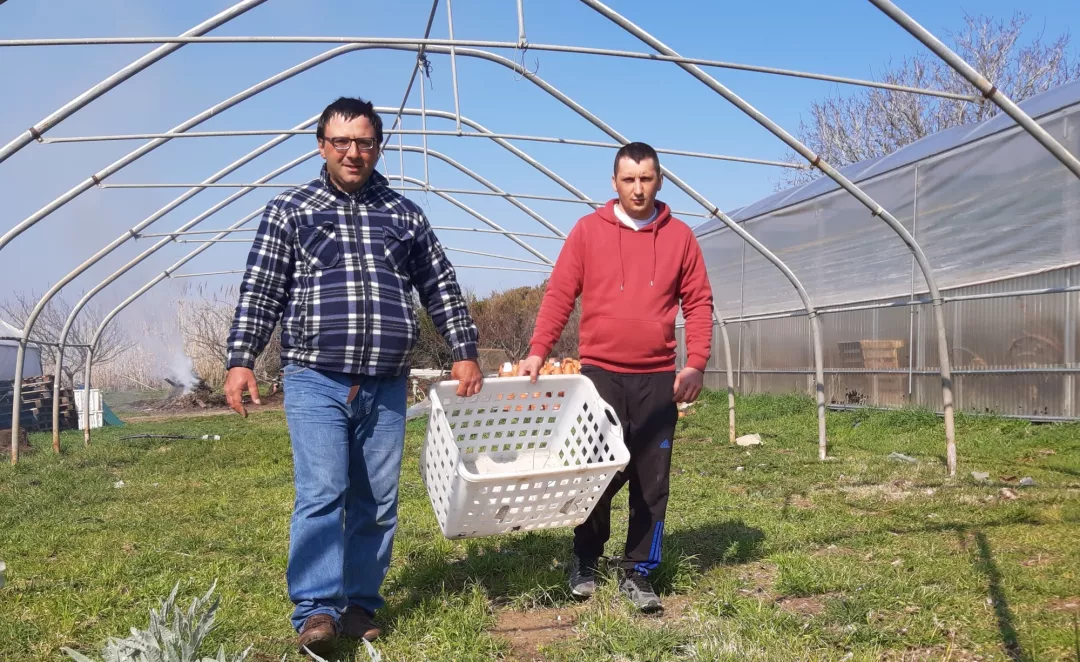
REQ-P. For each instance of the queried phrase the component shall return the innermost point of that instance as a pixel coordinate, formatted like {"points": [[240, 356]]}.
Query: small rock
{"points": [[1027, 481], [930, 491], [749, 440], [1008, 494], [932, 516], [897, 563], [118, 484], [831, 547], [740, 468], [902, 458], [980, 476]]}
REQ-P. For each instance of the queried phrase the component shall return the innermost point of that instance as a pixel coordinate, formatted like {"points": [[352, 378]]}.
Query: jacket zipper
{"points": [[365, 352]]}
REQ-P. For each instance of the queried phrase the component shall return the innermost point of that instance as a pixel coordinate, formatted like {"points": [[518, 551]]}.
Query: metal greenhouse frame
{"points": [[454, 49]]}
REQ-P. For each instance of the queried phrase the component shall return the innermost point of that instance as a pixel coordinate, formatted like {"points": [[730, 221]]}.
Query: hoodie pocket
{"points": [[626, 341], [319, 245]]}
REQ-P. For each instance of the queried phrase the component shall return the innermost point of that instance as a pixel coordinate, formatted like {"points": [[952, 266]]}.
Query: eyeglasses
{"points": [[342, 144]]}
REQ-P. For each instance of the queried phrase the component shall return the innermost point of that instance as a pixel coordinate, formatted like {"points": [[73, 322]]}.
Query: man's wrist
{"points": [[240, 361], [465, 352]]}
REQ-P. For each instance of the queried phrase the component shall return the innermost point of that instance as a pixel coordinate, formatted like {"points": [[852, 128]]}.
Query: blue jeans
{"points": [[347, 461]]}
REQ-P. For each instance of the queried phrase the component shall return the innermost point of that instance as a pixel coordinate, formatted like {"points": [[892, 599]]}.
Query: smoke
{"points": [[182, 371]]}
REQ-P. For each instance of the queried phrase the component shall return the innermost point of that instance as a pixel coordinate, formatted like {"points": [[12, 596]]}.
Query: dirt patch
{"points": [[5, 441], [800, 501], [158, 416], [1071, 605], [813, 605], [1039, 561], [527, 631], [834, 550], [889, 491], [949, 652], [759, 578]]}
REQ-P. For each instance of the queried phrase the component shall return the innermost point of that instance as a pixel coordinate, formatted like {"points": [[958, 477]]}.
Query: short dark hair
{"points": [[349, 108], [637, 152]]}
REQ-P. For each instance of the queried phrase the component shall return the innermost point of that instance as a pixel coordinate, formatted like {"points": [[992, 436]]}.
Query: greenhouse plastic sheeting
{"points": [[985, 202]]}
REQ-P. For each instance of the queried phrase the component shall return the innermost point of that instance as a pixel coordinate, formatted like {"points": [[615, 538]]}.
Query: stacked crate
{"points": [[37, 400]]}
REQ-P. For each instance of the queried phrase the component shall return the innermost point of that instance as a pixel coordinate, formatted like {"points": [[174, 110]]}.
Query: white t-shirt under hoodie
{"points": [[633, 223]]}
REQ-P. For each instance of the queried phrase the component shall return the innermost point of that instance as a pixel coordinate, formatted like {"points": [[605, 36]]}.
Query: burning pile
{"points": [[184, 396]]}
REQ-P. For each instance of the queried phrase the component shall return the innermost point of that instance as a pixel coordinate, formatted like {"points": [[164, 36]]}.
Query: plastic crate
{"points": [[519, 456]]}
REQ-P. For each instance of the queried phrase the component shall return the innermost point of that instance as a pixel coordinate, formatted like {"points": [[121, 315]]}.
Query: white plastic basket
{"points": [[519, 456]]}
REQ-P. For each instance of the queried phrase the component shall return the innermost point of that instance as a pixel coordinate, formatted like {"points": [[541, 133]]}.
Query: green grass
{"points": [[789, 558]]}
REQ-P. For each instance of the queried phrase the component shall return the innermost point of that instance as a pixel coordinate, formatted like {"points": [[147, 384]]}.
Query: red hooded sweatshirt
{"points": [[631, 284]]}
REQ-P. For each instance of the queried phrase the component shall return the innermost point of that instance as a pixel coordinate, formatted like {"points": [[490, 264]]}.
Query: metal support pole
{"points": [[988, 89], [476, 43], [86, 392], [449, 228], [1070, 349], [726, 338], [401, 162], [494, 255], [208, 273], [412, 76], [535, 216], [73, 106], [453, 63], [521, 25], [855, 191], [423, 125], [424, 133]]}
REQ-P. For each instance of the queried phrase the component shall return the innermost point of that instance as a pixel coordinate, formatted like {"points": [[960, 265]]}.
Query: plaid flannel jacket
{"points": [[338, 271]]}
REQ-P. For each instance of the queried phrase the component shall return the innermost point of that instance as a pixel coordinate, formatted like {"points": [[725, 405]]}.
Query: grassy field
{"points": [[770, 554]]}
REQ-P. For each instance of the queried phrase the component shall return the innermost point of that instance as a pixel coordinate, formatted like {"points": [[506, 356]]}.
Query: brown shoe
{"points": [[357, 623], [319, 634]]}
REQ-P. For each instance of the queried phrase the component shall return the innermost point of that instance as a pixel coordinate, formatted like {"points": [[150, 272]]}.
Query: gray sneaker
{"points": [[636, 586], [583, 577]]}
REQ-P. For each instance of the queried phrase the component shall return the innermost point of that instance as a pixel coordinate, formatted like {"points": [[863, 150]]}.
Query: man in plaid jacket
{"points": [[335, 261]]}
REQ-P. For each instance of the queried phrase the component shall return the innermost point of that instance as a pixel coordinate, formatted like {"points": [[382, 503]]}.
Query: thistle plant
{"points": [[174, 635]]}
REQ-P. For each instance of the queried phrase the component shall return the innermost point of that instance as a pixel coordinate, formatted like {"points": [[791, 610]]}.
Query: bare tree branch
{"points": [[113, 342], [872, 123]]}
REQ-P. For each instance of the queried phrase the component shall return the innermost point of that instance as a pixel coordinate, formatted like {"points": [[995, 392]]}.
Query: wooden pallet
{"points": [[35, 412]]}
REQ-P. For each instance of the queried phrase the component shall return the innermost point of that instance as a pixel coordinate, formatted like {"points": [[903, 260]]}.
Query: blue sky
{"points": [[653, 102]]}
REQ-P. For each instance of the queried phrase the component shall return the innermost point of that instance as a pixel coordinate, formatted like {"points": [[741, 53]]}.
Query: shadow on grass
{"points": [[1005, 618], [531, 569]]}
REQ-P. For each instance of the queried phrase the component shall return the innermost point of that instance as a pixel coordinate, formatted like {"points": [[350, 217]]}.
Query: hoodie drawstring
{"points": [[622, 270], [655, 231]]}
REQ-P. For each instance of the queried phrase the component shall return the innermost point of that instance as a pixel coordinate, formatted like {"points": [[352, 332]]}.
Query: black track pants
{"points": [[644, 406]]}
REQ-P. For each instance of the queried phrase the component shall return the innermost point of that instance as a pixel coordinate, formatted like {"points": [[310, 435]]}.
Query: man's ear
{"points": [[613, 187]]}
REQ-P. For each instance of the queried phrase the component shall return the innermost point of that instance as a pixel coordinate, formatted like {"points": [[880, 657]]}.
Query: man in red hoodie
{"points": [[633, 264]]}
